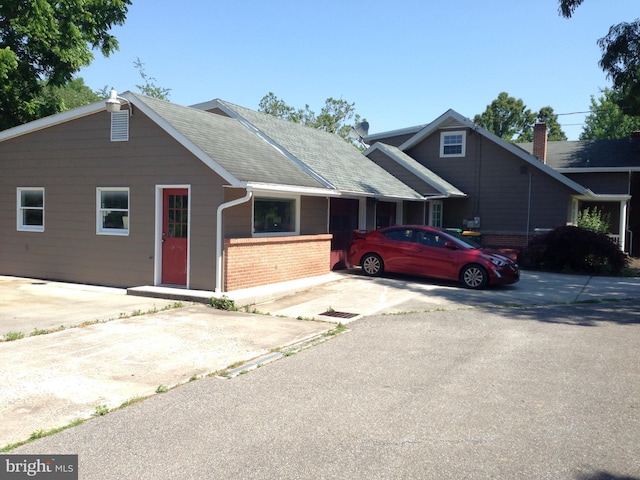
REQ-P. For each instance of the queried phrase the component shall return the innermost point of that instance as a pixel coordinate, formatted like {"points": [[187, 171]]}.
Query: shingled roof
{"points": [[604, 155], [334, 161]]}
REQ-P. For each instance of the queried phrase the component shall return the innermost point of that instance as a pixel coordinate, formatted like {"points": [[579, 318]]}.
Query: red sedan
{"points": [[431, 252]]}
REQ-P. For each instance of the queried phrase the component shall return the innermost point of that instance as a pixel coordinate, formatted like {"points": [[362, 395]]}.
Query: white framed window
{"points": [[435, 213], [112, 210], [30, 206], [453, 144], [276, 215]]}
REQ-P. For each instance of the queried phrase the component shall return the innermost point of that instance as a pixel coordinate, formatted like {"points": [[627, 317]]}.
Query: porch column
{"points": [[623, 225]]}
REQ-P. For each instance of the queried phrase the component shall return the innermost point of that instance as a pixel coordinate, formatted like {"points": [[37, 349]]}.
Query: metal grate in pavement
{"points": [[339, 314]]}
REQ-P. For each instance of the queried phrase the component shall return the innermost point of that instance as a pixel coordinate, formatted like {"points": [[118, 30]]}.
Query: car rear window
{"points": [[402, 235]]}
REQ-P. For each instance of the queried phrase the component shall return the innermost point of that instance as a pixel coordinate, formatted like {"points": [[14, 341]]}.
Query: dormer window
{"points": [[453, 144]]}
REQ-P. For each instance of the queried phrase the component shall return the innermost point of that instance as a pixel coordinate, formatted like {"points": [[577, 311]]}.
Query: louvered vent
{"points": [[120, 126]]}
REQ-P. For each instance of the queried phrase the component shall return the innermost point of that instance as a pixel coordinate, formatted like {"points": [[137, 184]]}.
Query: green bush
{"points": [[594, 220], [573, 250]]}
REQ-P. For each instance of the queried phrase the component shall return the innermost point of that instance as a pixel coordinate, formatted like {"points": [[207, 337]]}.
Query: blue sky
{"points": [[403, 63]]}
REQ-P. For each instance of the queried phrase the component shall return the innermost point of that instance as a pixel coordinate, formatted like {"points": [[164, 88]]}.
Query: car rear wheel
{"points": [[474, 276], [372, 264]]}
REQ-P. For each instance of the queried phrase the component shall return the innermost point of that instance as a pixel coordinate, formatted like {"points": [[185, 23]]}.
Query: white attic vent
{"points": [[120, 126]]}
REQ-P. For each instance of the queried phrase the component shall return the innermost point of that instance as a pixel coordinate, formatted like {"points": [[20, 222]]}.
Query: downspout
{"points": [[219, 239]]}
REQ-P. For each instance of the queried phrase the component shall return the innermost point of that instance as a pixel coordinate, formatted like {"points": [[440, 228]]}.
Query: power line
{"points": [[572, 113]]}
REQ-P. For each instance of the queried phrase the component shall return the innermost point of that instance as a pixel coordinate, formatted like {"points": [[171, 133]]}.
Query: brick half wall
{"points": [[253, 262]]}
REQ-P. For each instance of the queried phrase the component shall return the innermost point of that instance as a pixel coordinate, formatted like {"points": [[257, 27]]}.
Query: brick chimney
{"points": [[540, 141]]}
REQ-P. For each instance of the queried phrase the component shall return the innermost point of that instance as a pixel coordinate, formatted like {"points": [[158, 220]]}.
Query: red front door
{"points": [[175, 226]]}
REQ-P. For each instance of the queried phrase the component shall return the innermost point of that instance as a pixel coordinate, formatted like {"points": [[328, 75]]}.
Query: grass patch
{"points": [[12, 336], [223, 303], [40, 434], [100, 411], [340, 328], [38, 331], [162, 389]]}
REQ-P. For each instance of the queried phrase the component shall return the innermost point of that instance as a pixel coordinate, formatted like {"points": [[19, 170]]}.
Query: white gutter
{"points": [[219, 238]]}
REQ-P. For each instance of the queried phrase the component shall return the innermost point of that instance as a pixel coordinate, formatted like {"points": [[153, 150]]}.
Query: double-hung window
{"points": [[274, 215], [112, 213], [452, 144], [31, 209]]}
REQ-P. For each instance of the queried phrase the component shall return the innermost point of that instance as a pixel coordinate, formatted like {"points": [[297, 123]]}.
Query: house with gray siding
{"points": [[211, 197], [607, 167], [495, 188]]}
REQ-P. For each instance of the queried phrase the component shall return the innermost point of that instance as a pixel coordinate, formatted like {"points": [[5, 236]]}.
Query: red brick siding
{"points": [[251, 262], [504, 240]]}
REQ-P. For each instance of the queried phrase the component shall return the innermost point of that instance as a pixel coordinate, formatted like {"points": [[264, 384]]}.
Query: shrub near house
{"points": [[575, 250]]}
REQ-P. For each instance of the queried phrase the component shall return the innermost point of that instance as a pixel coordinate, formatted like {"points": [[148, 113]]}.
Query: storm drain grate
{"points": [[339, 314]]}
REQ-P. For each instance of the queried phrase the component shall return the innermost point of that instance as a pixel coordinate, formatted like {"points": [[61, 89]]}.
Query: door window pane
{"points": [[177, 216]]}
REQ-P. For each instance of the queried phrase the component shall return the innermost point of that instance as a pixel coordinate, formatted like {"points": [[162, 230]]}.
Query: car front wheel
{"points": [[372, 264], [474, 276]]}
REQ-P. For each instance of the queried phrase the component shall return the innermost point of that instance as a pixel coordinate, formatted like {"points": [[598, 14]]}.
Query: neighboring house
{"points": [[607, 167], [213, 197], [483, 183]]}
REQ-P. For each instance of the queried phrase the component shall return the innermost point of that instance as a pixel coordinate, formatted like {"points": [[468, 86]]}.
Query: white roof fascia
{"points": [[184, 141], [598, 170], [603, 197], [52, 120], [530, 159], [314, 192], [445, 189], [233, 114]]}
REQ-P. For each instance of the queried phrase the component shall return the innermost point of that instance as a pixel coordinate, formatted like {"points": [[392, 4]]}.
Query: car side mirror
{"points": [[450, 245]]}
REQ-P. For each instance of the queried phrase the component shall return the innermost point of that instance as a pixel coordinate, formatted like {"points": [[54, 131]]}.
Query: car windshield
{"points": [[464, 240]]}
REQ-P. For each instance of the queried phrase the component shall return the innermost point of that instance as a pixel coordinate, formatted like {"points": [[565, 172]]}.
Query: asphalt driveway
{"points": [[131, 345], [545, 392]]}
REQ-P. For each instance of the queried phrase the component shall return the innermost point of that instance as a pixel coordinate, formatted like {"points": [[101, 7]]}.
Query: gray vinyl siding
{"points": [[497, 184], [605, 183], [402, 173], [314, 215], [70, 160]]}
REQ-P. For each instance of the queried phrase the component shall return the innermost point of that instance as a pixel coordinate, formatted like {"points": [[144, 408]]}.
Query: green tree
{"points": [[45, 42], [547, 116], [149, 87], [511, 120], [72, 95], [620, 58], [607, 120], [336, 116]]}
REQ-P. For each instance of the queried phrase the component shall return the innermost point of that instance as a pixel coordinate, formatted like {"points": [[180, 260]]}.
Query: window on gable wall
{"points": [[452, 144], [31, 209]]}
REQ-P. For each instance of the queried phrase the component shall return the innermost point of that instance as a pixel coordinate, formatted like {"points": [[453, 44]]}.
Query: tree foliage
{"points": [[336, 116], [607, 121], [44, 43], [149, 86], [511, 120], [620, 58]]}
